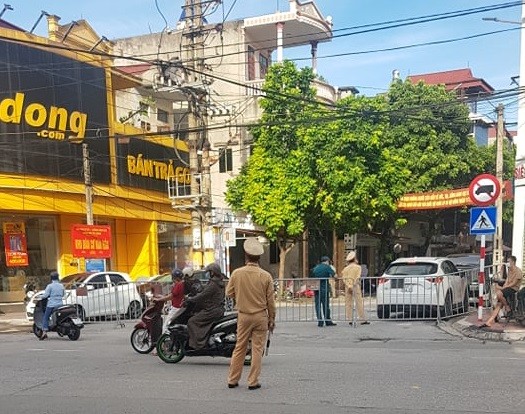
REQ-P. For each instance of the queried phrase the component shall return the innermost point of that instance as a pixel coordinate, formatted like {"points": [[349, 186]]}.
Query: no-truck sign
{"points": [[484, 190]]}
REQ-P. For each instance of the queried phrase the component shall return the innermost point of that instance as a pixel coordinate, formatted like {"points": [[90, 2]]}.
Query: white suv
{"points": [[422, 286], [102, 294]]}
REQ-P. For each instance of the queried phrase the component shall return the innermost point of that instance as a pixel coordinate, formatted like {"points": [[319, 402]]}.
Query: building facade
{"points": [[55, 94]]}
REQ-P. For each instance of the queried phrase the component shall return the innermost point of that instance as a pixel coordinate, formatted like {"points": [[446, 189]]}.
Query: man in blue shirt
{"points": [[323, 271], [54, 293]]}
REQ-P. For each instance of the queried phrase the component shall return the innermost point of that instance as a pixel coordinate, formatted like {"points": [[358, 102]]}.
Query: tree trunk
{"points": [[284, 248]]}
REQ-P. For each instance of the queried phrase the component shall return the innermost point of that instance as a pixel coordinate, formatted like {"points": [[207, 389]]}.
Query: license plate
{"points": [[76, 321], [408, 288]]}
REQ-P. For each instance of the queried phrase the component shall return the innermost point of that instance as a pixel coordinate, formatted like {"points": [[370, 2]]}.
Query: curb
{"points": [[472, 331], [9, 326]]}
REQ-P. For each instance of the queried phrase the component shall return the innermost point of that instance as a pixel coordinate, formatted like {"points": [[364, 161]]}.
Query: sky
{"points": [[495, 57]]}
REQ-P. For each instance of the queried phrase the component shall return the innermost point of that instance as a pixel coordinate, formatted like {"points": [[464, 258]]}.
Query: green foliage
{"points": [[429, 128]]}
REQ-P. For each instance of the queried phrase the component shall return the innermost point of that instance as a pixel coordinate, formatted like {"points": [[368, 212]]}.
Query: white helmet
{"points": [[187, 272]]}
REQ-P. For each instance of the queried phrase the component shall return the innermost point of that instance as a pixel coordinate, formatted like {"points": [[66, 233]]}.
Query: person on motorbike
{"points": [[207, 307], [54, 293], [176, 296]]}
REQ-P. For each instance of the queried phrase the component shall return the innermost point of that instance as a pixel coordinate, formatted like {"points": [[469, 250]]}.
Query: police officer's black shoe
{"points": [[254, 387], [233, 385], [331, 324]]}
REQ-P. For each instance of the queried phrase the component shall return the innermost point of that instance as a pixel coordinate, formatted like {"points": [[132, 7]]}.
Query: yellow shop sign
{"points": [[56, 122]]}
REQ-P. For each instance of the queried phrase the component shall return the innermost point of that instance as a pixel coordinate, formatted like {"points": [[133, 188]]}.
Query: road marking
{"points": [[520, 359]]}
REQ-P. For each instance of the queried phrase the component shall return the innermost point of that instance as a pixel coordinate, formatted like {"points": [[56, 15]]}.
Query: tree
{"points": [[275, 185]]}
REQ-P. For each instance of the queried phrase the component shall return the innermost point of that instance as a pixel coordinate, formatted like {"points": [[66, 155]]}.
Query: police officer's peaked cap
{"points": [[253, 247], [325, 259], [350, 256]]}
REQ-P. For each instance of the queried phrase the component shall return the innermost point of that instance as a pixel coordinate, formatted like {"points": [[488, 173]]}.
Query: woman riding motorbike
{"points": [[208, 307]]}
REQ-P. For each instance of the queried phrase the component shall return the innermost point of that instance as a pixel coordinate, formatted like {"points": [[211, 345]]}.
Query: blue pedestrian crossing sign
{"points": [[483, 220]]}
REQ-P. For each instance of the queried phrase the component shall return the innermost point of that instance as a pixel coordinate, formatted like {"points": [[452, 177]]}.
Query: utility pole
{"points": [[518, 230], [193, 44], [87, 183], [498, 242]]}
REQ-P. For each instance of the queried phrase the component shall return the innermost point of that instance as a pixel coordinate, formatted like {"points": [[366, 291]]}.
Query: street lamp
{"points": [[518, 229]]}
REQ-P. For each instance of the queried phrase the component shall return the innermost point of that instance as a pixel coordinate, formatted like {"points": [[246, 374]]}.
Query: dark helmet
{"points": [[54, 275], [214, 269], [176, 273]]}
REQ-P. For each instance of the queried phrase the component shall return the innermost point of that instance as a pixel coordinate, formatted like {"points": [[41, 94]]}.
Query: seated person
{"points": [[510, 287], [176, 296], [208, 307]]}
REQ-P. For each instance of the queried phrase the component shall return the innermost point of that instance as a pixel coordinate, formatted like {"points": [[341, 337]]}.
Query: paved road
{"points": [[386, 367]]}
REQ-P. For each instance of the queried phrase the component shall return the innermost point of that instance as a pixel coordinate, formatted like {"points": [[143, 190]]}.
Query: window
{"points": [[226, 160], [162, 116], [98, 282], [263, 65], [117, 280], [251, 63]]}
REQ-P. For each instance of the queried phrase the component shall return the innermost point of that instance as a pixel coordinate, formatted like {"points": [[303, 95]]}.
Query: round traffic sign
{"points": [[484, 190]]}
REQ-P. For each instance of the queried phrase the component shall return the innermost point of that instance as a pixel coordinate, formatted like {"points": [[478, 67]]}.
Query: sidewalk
{"points": [[469, 326], [14, 322]]}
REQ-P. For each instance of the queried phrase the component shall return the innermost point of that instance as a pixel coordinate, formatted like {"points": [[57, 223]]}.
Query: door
{"points": [[98, 296], [122, 297]]}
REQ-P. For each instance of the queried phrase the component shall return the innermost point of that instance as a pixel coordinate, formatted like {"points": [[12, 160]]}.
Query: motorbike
{"points": [[147, 331], [517, 306], [172, 347], [64, 320]]}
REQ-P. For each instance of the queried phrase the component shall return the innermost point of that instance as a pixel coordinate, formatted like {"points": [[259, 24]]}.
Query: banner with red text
{"points": [[15, 244], [91, 241]]}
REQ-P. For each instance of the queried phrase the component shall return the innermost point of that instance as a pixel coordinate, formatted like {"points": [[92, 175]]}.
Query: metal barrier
{"points": [[106, 301], [402, 297], [375, 298]]}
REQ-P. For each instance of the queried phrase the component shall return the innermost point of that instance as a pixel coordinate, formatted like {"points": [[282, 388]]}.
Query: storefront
{"points": [[50, 98]]}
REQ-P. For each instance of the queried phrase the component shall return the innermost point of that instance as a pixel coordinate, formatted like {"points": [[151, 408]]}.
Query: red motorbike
{"points": [[148, 330]]}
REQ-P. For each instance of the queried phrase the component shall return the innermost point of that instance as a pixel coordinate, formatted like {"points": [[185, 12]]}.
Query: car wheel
{"points": [[465, 302], [383, 312], [447, 309], [134, 310]]}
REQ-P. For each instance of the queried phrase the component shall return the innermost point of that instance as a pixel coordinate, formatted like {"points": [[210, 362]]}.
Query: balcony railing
{"points": [[325, 92]]}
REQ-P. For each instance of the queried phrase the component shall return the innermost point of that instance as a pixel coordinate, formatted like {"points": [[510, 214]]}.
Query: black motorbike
{"points": [[64, 320], [172, 347], [517, 305]]}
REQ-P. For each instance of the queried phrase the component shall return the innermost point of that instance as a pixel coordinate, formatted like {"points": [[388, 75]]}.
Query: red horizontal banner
{"points": [[91, 241], [443, 199]]}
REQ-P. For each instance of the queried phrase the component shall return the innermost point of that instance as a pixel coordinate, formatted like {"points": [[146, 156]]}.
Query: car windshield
{"points": [[161, 278], [470, 261], [75, 280], [412, 269]]}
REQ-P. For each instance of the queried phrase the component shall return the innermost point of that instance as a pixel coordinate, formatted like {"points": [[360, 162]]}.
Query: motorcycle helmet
{"points": [[54, 275], [187, 272], [176, 273]]}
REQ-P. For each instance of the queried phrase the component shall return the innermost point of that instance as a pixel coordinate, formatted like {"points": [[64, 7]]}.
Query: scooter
{"points": [[172, 347], [64, 320], [147, 331]]}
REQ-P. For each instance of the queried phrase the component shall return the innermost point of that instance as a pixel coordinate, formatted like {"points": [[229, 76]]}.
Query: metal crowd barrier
{"points": [[402, 297]]}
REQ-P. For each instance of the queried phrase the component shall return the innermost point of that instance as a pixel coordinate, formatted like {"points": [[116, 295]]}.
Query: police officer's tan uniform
{"points": [[351, 276], [252, 289]]}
